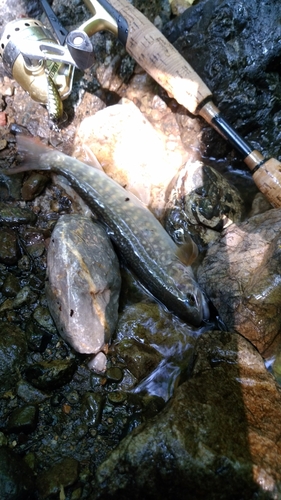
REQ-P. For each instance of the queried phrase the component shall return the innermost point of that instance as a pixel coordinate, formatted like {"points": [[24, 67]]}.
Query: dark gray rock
{"points": [[9, 248], [12, 355], [16, 478], [39, 329], [235, 48], [11, 285], [11, 215], [23, 419], [91, 408], [50, 375], [30, 394]]}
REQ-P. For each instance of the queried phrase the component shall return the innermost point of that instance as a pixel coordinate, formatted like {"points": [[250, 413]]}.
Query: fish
{"points": [[140, 238]]}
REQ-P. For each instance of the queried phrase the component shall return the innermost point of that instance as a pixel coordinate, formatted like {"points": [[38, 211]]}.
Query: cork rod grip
{"points": [[268, 179], [160, 59]]}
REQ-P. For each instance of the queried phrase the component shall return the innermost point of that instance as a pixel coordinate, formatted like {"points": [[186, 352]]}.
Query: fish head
{"points": [[192, 303]]}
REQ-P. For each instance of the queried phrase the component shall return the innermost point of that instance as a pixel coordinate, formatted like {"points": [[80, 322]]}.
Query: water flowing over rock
{"points": [[241, 275], [218, 438]]}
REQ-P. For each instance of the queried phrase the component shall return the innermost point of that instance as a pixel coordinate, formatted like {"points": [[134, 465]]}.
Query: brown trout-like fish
{"points": [[143, 242]]}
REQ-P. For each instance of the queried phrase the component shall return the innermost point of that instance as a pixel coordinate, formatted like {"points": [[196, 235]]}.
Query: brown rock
{"points": [[241, 275], [217, 439]]}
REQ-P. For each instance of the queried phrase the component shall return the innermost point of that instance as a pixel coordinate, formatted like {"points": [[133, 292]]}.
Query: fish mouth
{"points": [[205, 308], [196, 306]]}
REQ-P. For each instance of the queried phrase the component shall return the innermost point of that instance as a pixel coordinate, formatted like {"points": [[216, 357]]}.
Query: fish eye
{"points": [[191, 298]]}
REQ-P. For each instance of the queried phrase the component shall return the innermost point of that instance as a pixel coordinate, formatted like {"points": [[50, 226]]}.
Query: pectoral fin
{"points": [[188, 252]]}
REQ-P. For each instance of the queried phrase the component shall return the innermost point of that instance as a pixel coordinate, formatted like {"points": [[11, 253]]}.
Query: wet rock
{"points": [[11, 216], [91, 408], [114, 374], [63, 474], [117, 397], [141, 359], [10, 186], [241, 275], [179, 6], [16, 478], [98, 363], [12, 354], [162, 337], [111, 135], [23, 419], [30, 394], [147, 323], [201, 201], [9, 248], [234, 47], [50, 375], [40, 329], [84, 283], [11, 285], [33, 186], [24, 296], [212, 440]]}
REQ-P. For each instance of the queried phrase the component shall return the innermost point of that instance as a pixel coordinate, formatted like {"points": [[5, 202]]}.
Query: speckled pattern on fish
{"points": [[142, 241]]}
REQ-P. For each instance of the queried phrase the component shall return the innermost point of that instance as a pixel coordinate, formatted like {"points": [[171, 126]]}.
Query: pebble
{"points": [[91, 409], [11, 216], [50, 375], [117, 397], [11, 285], [98, 363], [114, 374], [3, 142], [13, 351], [30, 394], [24, 296], [23, 419], [9, 248], [33, 186]]}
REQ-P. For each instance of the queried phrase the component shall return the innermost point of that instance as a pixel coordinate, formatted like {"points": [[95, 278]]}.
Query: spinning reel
{"points": [[43, 62]]}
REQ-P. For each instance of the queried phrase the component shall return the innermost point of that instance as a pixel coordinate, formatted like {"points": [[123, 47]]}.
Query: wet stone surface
{"points": [[212, 437]]}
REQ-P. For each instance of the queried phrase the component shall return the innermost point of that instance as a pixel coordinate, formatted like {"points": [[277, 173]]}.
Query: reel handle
{"points": [[152, 51]]}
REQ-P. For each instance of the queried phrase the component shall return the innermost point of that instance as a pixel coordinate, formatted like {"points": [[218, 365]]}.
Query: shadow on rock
{"points": [[218, 438]]}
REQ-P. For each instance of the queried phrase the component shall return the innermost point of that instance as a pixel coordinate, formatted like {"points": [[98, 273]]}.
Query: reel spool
{"points": [[32, 74]]}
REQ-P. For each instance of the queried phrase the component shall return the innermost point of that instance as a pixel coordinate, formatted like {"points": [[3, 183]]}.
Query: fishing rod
{"points": [[151, 50]]}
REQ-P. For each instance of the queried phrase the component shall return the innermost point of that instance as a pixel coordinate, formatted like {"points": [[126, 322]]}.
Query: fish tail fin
{"points": [[31, 149]]}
